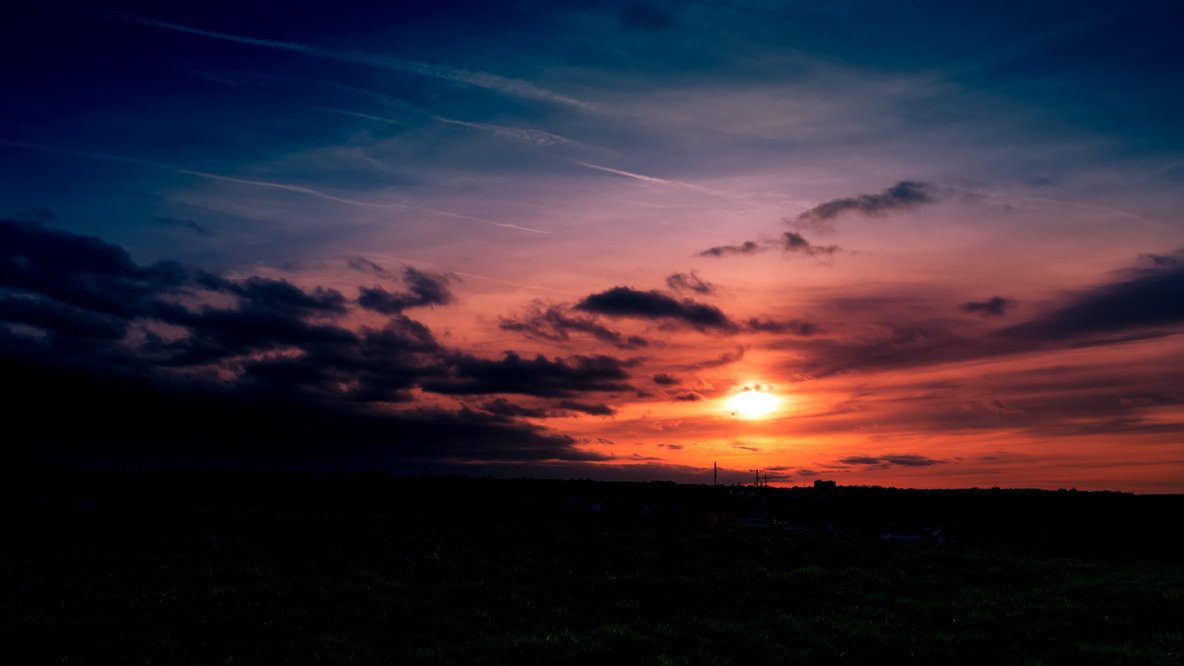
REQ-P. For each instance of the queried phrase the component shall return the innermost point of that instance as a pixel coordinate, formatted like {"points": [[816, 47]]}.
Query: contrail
{"points": [[627, 174], [479, 79], [282, 186], [367, 116], [527, 134], [459, 216], [261, 183], [730, 196], [200, 174]]}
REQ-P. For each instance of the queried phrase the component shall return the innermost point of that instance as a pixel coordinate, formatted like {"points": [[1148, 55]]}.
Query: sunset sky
{"points": [[941, 243]]}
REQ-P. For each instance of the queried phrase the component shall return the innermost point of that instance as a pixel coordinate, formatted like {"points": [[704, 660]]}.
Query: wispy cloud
{"points": [[299, 189], [478, 79], [185, 224], [747, 247], [200, 174]]}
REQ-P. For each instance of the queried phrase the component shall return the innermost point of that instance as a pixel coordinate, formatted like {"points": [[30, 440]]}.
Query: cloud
{"points": [[136, 423], [556, 323], [298, 189], [530, 135], [905, 195], [424, 289], [687, 397], [169, 365], [628, 302], [891, 460], [727, 358], [364, 265], [1149, 297], [795, 243], [996, 306], [503, 407], [796, 327], [664, 379], [267, 294], [1143, 302], [747, 247], [627, 174], [538, 377], [454, 74], [60, 319], [789, 242], [595, 409], [1152, 260], [689, 282], [185, 224]]}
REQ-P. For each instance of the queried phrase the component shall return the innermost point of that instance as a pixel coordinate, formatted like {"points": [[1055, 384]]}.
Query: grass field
{"points": [[92, 586]]}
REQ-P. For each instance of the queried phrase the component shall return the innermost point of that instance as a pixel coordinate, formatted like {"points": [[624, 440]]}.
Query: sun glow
{"points": [[752, 403]]}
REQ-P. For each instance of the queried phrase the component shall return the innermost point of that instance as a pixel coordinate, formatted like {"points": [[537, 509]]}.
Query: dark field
{"points": [[482, 571]]}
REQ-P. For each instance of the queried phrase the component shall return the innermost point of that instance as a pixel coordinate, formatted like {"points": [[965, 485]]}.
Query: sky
{"points": [[898, 243]]}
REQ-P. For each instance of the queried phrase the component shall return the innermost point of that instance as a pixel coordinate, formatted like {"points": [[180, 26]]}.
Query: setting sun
{"points": [[752, 403]]}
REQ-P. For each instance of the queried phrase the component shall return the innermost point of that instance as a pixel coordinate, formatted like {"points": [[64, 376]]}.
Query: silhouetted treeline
{"points": [[1069, 522]]}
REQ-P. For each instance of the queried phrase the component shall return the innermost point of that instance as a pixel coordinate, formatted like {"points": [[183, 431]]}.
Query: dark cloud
{"points": [[666, 380], [364, 265], [727, 358], [687, 397], [503, 407], [1141, 303], [129, 422], [905, 195], [790, 243], [792, 327], [423, 289], [1158, 260], [627, 302], [1150, 297], [892, 460], [60, 319], [796, 244], [538, 377], [747, 247], [556, 323], [689, 282], [79, 270], [281, 296], [374, 365], [995, 306], [595, 409], [167, 365], [184, 224]]}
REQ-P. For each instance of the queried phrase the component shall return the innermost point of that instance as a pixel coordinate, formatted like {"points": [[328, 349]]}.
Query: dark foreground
{"points": [[478, 571]]}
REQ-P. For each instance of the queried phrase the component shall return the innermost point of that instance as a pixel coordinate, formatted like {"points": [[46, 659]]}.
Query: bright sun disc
{"points": [[752, 404]]}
